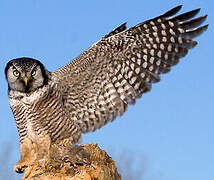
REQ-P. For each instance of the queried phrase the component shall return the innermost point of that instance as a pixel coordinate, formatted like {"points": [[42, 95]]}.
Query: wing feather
{"points": [[98, 85]]}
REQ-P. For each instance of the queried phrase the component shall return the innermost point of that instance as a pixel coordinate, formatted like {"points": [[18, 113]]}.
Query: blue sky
{"points": [[171, 127]]}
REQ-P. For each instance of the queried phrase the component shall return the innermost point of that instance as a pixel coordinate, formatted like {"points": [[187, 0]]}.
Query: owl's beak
{"points": [[26, 81]]}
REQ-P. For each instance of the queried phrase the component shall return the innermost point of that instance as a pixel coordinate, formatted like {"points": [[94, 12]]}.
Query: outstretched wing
{"points": [[98, 85]]}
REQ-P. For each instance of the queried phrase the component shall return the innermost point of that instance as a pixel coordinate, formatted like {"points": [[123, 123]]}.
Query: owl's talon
{"points": [[20, 168]]}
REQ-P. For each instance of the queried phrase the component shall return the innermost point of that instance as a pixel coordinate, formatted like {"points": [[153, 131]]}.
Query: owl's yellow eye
{"points": [[33, 73], [16, 73]]}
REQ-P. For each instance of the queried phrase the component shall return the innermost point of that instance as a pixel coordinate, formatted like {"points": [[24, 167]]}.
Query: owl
{"points": [[53, 109]]}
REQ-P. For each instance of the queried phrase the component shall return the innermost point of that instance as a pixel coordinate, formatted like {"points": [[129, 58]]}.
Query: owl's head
{"points": [[25, 74]]}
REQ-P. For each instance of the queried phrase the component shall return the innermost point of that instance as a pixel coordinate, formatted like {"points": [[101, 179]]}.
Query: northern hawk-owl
{"points": [[53, 109]]}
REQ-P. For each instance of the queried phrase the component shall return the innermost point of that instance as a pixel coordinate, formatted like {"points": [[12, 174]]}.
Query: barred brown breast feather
{"points": [[32, 119], [99, 84]]}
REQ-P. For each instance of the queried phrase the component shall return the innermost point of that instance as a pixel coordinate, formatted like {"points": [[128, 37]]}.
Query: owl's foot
{"points": [[21, 166], [77, 156]]}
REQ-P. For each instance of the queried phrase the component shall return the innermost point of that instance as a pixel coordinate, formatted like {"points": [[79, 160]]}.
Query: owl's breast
{"points": [[43, 114], [26, 116]]}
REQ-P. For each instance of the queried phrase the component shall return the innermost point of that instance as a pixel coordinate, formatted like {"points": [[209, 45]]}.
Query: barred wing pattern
{"points": [[98, 85]]}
